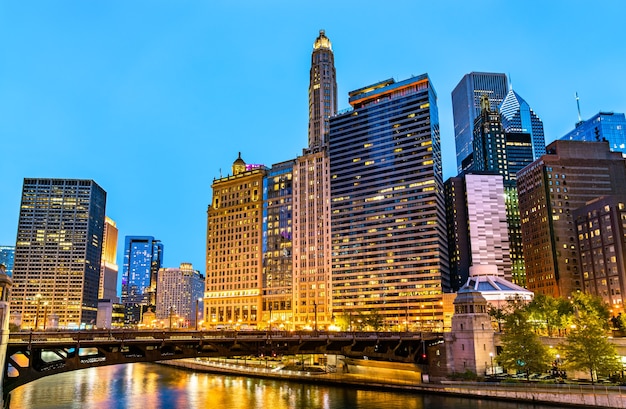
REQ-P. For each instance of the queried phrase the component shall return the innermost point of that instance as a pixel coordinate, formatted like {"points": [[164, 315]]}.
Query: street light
{"points": [[38, 297], [45, 314], [491, 358], [197, 303]]}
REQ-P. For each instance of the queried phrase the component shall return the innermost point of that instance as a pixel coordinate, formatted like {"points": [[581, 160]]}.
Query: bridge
{"points": [[33, 355]]}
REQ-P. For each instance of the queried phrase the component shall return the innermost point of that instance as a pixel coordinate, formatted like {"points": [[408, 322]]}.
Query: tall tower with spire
{"points": [[322, 90], [311, 198]]}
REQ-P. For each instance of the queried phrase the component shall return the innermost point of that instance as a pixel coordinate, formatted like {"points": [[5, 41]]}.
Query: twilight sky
{"points": [[151, 98]]}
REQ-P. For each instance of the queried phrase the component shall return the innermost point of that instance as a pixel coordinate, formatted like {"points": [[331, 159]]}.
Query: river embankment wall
{"points": [[558, 395]]}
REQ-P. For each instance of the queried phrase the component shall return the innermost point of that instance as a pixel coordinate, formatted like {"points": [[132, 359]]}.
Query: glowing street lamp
{"points": [[38, 297]]}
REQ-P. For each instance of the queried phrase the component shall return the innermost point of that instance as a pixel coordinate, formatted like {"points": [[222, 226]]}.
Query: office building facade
{"points": [[601, 230], [108, 266], [478, 236], [277, 246], [234, 271], [389, 254], [604, 126], [7, 258], [57, 255], [550, 189], [178, 293], [519, 118], [311, 198], [143, 257], [466, 107]]}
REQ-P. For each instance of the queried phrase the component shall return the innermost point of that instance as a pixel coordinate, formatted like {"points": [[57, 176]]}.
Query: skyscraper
{"points": [[604, 126], [389, 254], [479, 241], [58, 251], [322, 90], [519, 118], [7, 256], [568, 176], [277, 246], [477, 209], [108, 266], [506, 153], [143, 257], [311, 198], [234, 271], [178, 292], [466, 107]]}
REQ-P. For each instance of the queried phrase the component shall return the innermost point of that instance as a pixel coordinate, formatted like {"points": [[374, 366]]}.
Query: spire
{"points": [[580, 119], [322, 41]]}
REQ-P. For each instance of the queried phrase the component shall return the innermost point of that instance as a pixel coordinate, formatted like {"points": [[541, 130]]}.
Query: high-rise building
{"points": [[568, 176], [479, 238], [604, 126], [108, 266], [389, 254], [7, 257], [466, 107], [506, 153], [322, 90], [234, 272], [178, 292], [519, 118], [601, 230], [57, 255], [277, 246], [311, 198], [143, 257]]}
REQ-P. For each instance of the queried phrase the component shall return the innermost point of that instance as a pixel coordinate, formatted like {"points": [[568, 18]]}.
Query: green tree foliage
{"points": [[521, 348], [498, 315], [587, 346], [549, 314]]}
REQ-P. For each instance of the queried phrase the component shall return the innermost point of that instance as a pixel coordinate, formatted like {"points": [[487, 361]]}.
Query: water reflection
{"points": [[152, 386]]}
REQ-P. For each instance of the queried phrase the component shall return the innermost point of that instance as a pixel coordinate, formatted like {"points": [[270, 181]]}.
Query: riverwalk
{"points": [[561, 395]]}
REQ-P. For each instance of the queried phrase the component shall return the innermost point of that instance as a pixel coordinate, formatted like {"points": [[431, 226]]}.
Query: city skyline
{"points": [[125, 92]]}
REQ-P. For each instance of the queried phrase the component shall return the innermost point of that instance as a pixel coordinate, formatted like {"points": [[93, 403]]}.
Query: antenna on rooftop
{"points": [[580, 119]]}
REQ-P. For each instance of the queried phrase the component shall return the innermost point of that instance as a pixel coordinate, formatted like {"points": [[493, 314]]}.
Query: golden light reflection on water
{"points": [[152, 386]]}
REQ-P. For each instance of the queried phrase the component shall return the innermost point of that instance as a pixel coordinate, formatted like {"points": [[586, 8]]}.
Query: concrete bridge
{"points": [[33, 355]]}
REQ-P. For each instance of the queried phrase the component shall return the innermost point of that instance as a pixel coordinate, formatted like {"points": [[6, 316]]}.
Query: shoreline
{"points": [[568, 395]]}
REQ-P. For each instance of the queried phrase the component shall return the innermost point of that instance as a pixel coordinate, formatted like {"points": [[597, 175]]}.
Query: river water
{"points": [[152, 386]]}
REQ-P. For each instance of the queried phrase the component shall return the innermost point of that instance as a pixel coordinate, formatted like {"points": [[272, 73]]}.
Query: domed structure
{"points": [[239, 166]]}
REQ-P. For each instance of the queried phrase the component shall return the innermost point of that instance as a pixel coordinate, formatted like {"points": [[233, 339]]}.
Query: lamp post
{"points": [[45, 314], [38, 297], [197, 304], [491, 358], [556, 364], [315, 317]]}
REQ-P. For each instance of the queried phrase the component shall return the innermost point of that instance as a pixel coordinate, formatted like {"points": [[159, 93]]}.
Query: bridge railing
{"points": [[131, 334]]}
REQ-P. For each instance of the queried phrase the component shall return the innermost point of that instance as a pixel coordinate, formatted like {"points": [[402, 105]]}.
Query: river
{"points": [[153, 386]]}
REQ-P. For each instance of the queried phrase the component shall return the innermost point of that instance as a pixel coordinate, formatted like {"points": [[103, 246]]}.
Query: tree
{"points": [[521, 348], [548, 313], [498, 315], [587, 346]]}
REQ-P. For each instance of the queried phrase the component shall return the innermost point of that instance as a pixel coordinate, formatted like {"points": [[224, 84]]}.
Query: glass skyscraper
{"points": [[518, 117], [387, 207], [607, 126], [7, 254], [466, 107], [143, 257], [57, 255]]}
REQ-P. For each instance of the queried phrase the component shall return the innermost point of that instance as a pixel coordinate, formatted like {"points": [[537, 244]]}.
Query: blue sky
{"points": [[152, 98]]}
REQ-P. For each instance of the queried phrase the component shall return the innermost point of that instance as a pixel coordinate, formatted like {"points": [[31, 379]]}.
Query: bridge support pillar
{"points": [[5, 290]]}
